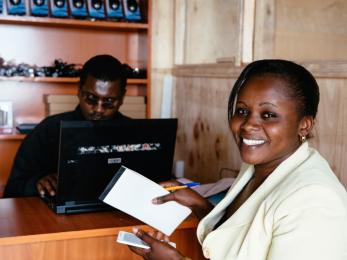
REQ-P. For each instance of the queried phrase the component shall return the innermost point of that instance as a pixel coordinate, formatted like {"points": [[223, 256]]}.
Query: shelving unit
{"points": [[60, 22], [61, 80], [41, 40]]}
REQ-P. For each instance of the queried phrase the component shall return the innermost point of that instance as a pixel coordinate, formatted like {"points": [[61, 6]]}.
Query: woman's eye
{"points": [[241, 112], [267, 115]]}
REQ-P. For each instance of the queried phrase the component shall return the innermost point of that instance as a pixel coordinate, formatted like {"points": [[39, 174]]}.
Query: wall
{"points": [[204, 31], [301, 30], [191, 32], [204, 142]]}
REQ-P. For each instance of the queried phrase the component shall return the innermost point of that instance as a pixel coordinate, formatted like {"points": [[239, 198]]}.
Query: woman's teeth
{"points": [[252, 142]]}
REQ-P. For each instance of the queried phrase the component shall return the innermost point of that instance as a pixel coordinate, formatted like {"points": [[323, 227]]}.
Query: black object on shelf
{"points": [[39, 7], [132, 11], [26, 128], [135, 73], [16, 7], [58, 69], [59, 8], [114, 9], [78, 8], [96, 9]]}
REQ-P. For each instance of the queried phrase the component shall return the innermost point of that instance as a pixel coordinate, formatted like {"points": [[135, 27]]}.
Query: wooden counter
{"points": [[30, 230], [9, 145]]}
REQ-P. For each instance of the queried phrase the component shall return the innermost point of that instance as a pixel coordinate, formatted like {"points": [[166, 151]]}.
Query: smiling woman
{"points": [[286, 202]]}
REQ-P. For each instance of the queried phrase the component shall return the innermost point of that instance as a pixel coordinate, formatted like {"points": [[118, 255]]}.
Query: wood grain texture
{"points": [[29, 230], [264, 33], [330, 133], [204, 141], [212, 30], [8, 151], [301, 30]]}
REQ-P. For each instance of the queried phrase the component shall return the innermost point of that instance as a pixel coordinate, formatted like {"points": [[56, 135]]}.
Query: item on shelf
{"points": [[39, 7], [16, 7], [59, 69], [58, 8], [114, 9], [26, 128], [96, 9], [78, 8], [6, 117], [11, 70], [132, 10], [1, 6], [135, 73]]}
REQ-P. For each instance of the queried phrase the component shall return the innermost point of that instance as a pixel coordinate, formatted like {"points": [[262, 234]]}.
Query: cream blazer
{"points": [[298, 213]]}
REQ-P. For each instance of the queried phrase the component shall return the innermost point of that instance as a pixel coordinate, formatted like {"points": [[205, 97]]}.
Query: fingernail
{"points": [[42, 193], [155, 201], [135, 230]]}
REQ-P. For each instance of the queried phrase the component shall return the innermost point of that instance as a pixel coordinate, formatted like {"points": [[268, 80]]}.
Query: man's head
{"points": [[102, 87]]}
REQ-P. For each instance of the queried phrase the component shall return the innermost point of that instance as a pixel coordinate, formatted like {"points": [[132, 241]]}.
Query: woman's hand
{"points": [[159, 247], [187, 197]]}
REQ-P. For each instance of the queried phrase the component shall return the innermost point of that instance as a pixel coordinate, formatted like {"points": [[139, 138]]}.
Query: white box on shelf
{"points": [[6, 117]]}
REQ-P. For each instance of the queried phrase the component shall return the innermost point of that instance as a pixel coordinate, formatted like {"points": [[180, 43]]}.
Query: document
{"points": [[132, 193]]}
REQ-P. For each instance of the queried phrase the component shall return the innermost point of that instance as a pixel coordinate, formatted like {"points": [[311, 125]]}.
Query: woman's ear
{"points": [[306, 125]]}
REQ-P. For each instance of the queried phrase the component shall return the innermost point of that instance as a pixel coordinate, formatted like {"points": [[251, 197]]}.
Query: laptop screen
{"points": [[91, 152]]}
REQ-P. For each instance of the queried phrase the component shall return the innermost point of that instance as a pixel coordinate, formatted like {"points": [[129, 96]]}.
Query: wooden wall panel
{"points": [[330, 135], [204, 141], [212, 30], [301, 30], [162, 50]]}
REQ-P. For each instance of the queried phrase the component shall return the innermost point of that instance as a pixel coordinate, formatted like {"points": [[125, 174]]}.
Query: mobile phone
{"points": [[131, 239]]}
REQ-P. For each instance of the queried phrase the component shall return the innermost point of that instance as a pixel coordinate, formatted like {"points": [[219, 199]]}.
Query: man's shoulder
{"points": [[120, 116], [70, 115], [53, 121]]}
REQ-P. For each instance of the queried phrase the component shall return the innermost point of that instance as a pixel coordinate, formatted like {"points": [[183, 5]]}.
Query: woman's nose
{"points": [[251, 122]]}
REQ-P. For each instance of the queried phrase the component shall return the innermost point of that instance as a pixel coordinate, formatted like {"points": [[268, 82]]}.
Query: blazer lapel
{"points": [[246, 212]]}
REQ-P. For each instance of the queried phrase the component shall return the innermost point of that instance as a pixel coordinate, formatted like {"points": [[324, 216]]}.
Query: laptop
{"points": [[91, 152]]}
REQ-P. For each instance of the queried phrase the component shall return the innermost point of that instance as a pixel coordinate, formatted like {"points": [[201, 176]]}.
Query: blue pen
{"points": [[191, 184], [184, 185]]}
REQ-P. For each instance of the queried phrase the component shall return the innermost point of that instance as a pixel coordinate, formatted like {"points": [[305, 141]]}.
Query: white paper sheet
{"points": [[132, 193]]}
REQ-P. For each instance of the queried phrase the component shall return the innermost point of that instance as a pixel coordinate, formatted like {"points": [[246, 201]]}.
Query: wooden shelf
{"points": [[12, 136], [62, 80], [61, 22]]}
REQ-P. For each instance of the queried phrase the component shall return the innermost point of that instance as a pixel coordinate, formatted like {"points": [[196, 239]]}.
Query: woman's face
{"points": [[266, 125]]}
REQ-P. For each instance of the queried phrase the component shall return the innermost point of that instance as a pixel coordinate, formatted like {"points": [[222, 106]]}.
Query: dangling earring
{"points": [[302, 138]]}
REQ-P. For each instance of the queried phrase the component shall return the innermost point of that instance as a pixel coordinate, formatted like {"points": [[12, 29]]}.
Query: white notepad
{"points": [[132, 193]]}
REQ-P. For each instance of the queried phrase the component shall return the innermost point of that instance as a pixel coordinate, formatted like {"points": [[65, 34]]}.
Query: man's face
{"points": [[100, 100]]}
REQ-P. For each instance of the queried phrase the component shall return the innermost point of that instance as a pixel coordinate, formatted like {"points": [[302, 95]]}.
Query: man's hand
{"points": [[47, 185]]}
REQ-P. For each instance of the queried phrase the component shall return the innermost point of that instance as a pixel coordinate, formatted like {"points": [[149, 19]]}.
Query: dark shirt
{"points": [[38, 154]]}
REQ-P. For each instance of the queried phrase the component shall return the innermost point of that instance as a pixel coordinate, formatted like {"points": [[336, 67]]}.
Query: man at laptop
{"points": [[101, 91]]}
